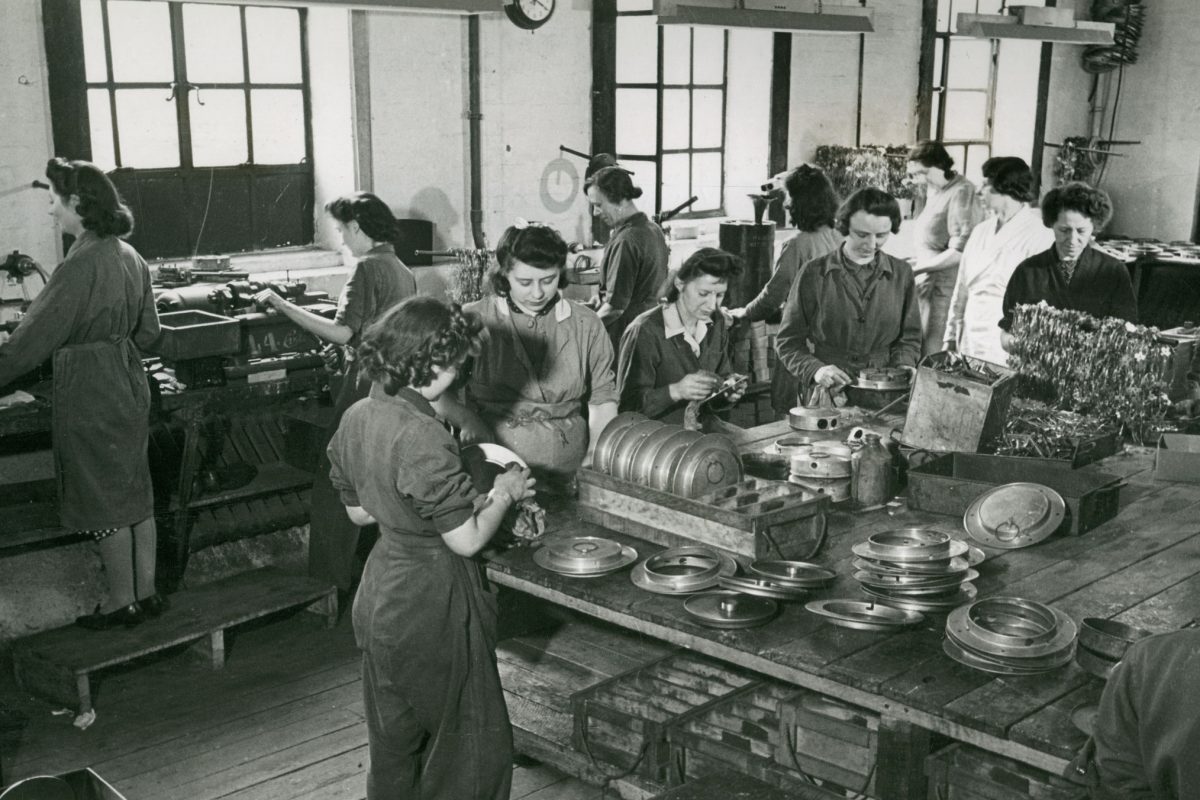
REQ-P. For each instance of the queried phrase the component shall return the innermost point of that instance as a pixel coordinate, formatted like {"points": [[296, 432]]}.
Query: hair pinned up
{"points": [[1009, 176], [532, 243], [928, 153], [705, 261], [402, 347], [372, 215], [814, 202], [100, 208], [615, 183], [875, 202]]}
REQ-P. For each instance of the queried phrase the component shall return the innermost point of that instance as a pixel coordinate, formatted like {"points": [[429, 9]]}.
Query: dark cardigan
{"points": [[1100, 286]]}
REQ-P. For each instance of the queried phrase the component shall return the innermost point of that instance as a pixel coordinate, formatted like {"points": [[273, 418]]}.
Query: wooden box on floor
{"points": [[829, 739], [962, 772], [755, 518], [623, 721]]}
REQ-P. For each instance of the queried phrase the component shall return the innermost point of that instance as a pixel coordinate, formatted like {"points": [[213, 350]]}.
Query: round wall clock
{"points": [[529, 14], [559, 186]]}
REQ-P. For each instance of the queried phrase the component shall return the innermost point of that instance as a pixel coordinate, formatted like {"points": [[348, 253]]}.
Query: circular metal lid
{"points": [[900, 544], [975, 555], [926, 604], [956, 549], [791, 445], [666, 460], [626, 447], [762, 587], [883, 378], [911, 585], [604, 452], [832, 448], [708, 464], [1084, 718], [663, 583], [1108, 637], [814, 419], [794, 573], [729, 609], [1015, 515], [1011, 621], [1095, 664], [929, 569], [864, 615], [820, 465], [1001, 644], [583, 555], [975, 661], [642, 466]]}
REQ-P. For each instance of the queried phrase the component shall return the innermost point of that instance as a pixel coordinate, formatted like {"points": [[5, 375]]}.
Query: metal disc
{"points": [[926, 605], [905, 544], [958, 629], [819, 465], [932, 569], [627, 446], [797, 573], [642, 466], [654, 577], [706, 465], [761, 587], [666, 460], [914, 586], [1014, 515], [583, 556], [883, 378], [814, 419], [975, 555], [957, 548], [950, 648], [864, 615], [602, 457], [729, 609], [1011, 621]]}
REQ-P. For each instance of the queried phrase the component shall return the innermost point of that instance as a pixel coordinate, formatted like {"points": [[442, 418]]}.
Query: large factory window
{"points": [[669, 116], [202, 110]]}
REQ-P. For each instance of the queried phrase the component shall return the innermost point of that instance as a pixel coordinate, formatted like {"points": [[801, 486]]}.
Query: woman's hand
{"points": [[696, 386], [516, 482], [472, 430], [268, 299], [1007, 340], [832, 376], [735, 313]]}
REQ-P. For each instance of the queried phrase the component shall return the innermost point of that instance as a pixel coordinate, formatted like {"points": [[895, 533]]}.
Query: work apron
{"points": [[551, 437], [101, 428], [436, 720]]}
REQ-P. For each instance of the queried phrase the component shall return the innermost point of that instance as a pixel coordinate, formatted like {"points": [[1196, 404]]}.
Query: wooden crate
{"points": [[829, 739], [623, 721], [950, 413], [755, 518], [962, 772]]}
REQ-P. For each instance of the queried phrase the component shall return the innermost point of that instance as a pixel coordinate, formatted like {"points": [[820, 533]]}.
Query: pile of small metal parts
{"points": [[683, 570], [666, 457], [916, 569], [1102, 644], [822, 468], [583, 556], [749, 600], [1035, 429], [1010, 636]]}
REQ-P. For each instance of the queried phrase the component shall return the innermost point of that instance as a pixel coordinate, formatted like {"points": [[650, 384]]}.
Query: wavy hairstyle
{"points": [[533, 243], [615, 183], [1093, 203], [371, 214], [403, 346], [929, 153], [705, 261], [1009, 176], [814, 201], [875, 202], [100, 208]]}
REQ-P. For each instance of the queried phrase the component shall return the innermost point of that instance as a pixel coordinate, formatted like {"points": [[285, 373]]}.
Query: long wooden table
{"points": [[1142, 568]]}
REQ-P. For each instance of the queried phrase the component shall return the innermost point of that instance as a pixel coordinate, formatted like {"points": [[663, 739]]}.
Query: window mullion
{"points": [[112, 94], [246, 89], [658, 135], [183, 117]]}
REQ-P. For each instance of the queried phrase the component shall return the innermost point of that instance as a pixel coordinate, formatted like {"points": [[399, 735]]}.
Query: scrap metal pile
{"points": [[1037, 430]]}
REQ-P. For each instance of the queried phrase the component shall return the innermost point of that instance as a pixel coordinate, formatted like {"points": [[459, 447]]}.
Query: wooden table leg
{"points": [[900, 769]]}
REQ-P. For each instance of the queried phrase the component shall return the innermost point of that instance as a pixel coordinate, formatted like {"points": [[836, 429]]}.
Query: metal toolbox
{"points": [[197, 334], [962, 772], [950, 483], [950, 413]]}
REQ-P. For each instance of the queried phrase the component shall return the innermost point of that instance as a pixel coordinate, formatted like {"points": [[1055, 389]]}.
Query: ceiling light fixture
{"points": [[780, 15], [1036, 23]]}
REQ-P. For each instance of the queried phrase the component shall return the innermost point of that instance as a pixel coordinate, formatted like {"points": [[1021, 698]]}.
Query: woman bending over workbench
{"points": [[424, 615], [378, 281], [92, 317]]}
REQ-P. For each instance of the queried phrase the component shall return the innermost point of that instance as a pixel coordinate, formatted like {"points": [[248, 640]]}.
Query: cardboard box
{"points": [[1178, 458]]}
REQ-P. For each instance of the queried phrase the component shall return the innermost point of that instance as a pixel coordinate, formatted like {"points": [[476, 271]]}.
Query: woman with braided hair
{"points": [[424, 616]]}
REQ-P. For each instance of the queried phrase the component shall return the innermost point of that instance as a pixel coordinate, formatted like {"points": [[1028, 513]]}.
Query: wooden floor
{"points": [[283, 720]]}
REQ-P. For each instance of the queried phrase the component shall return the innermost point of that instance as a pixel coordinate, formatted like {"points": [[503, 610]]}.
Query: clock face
{"points": [[530, 14], [559, 186]]}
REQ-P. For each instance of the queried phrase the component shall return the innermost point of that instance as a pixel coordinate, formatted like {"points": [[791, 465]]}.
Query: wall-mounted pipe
{"points": [[475, 118]]}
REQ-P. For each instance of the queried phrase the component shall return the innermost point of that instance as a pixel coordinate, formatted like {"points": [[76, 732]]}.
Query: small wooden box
{"points": [[755, 518], [623, 721], [829, 739], [952, 413], [962, 772]]}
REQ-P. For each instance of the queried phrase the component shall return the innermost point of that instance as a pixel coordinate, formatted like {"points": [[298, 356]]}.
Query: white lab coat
{"points": [[988, 261]]}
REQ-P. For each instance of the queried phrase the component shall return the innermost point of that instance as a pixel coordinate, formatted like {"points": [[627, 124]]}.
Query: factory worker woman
{"points": [[543, 383], [1072, 273], [997, 245], [679, 351], [378, 280], [634, 266], [92, 317], [855, 307], [424, 615]]}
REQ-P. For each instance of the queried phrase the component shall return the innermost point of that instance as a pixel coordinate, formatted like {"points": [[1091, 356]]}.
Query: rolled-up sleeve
{"points": [[352, 303], [441, 490], [962, 215]]}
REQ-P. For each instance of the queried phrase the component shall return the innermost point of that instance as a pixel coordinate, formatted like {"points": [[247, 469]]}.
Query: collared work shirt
{"points": [[633, 270], [1100, 286], [946, 220], [377, 282]]}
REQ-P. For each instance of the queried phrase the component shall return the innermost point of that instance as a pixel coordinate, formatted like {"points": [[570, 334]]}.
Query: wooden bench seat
{"points": [[57, 664]]}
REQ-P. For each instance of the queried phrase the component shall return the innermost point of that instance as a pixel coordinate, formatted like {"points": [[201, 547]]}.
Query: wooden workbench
{"points": [[1142, 568]]}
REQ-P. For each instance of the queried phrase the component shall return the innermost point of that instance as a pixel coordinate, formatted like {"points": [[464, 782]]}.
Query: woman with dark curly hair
{"points": [[812, 203], [1072, 274], [424, 616], [378, 280], [546, 361], [95, 313], [678, 351]]}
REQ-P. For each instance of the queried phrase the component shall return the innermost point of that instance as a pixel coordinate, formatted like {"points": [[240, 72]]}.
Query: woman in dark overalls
{"points": [[94, 314], [424, 615]]}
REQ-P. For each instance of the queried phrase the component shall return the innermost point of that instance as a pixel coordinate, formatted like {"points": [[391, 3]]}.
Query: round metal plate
{"points": [[975, 555], [966, 658], [1011, 621], [1108, 637], [681, 570], [833, 448], [864, 615], [666, 460], [927, 604], [820, 465], [814, 419], [642, 579], [762, 587], [904, 544], [643, 459], [603, 454], [42, 787], [627, 446], [865, 550], [706, 465], [1014, 515], [583, 556], [1084, 718], [909, 585], [930, 569], [958, 629], [1095, 664], [791, 445], [794, 573], [729, 609]]}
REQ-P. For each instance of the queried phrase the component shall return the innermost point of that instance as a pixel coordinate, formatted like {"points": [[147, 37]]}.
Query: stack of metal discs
{"points": [[583, 556], [917, 569], [780, 580], [1102, 644], [666, 457], [683, 570], [1010, 636], [824, 469]]}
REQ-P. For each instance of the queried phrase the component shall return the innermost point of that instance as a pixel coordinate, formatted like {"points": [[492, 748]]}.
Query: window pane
{"points": [[278, 119], [637, 50], [635, 5], [939, 50], [645, 177], [140, 35], [149, 135], [708, 54], [273, 41], [677, 54], [100, 123], [212, 38], [943, 15], [676, 119], [970, 64], [960, 7], [218, 127], [958, 152], [706, 181], [637, 121], [966, 115], [676, 173], [706, 118], [976, 155], [95, 69]]}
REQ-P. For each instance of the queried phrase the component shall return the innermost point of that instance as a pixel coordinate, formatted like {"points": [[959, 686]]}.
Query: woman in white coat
{"points": [[1012, 233]]}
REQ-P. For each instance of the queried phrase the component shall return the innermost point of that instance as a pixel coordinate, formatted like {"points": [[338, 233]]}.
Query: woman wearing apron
{"points": [[424, 616], [378, 281], [546, 362], [94, 314]]}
